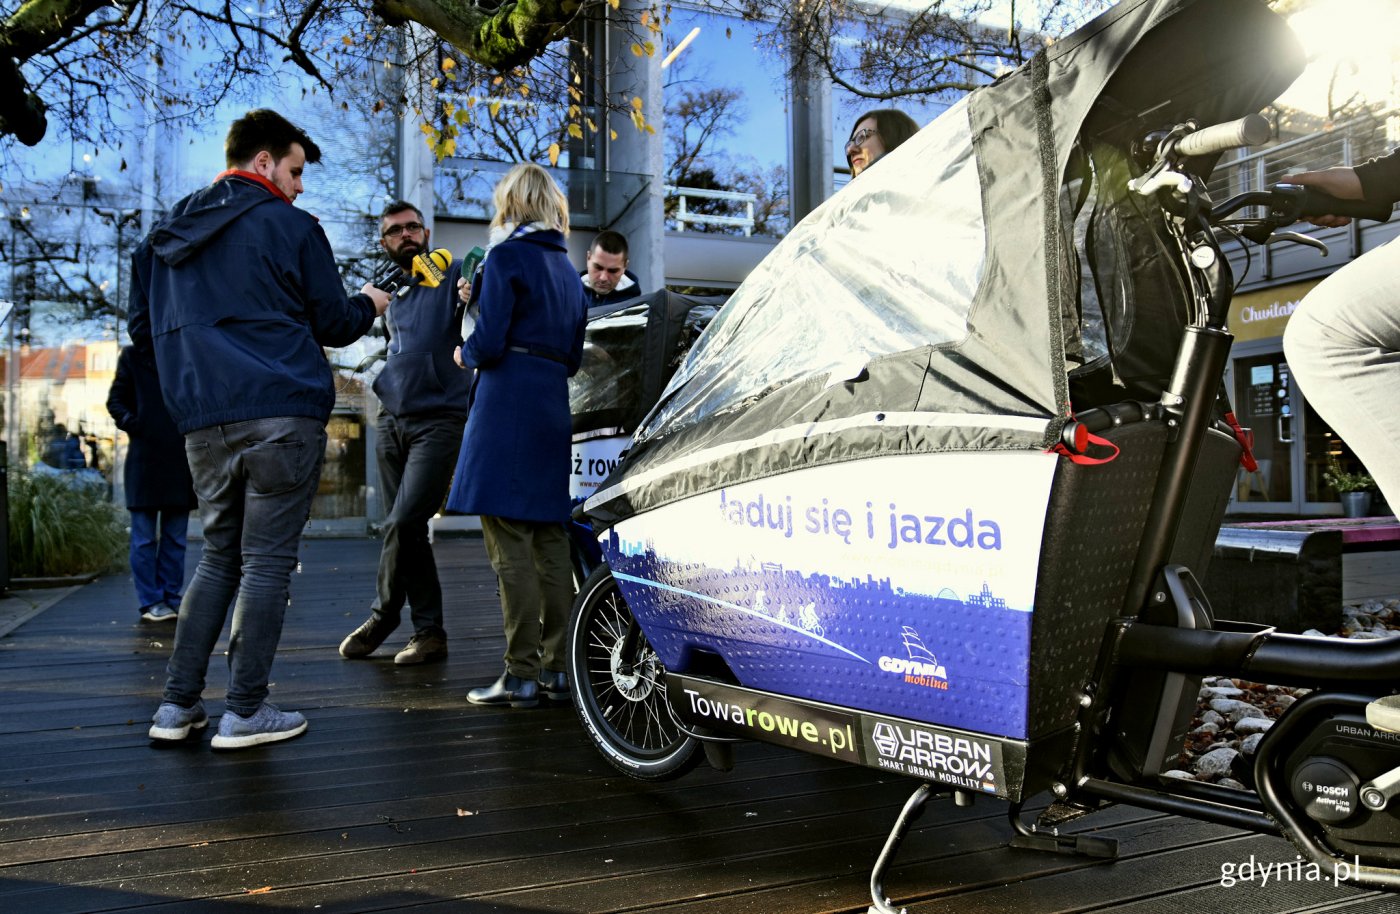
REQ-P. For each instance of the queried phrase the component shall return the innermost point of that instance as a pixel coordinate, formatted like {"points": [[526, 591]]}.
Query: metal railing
{"points": [[1346, 143], [683, 216]]}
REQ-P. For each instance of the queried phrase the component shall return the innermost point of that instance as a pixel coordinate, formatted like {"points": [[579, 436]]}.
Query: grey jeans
{"points": [[416, 457], [255, 481], [1343, 345]]}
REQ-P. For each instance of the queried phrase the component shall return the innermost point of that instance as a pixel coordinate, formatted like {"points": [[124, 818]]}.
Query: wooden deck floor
{"points": [[403, 797]]}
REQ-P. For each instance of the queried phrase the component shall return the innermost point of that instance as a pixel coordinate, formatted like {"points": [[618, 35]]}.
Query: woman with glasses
{"points": [[876, 133]]}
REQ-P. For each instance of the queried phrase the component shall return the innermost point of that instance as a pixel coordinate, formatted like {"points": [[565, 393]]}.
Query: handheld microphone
{"points": [[430, 267], [392, 279]]}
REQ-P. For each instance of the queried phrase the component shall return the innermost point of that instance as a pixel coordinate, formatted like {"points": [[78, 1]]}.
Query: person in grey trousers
{"points": [[1343, 341], [423, 398], [235, 292]]}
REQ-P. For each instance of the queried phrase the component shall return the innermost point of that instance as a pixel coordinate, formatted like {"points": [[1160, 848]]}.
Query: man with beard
{"points": [[423, 407]]}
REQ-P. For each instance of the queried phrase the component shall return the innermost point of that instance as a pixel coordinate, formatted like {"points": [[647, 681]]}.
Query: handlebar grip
{"points": [[1249, 130], [1313, 202]]}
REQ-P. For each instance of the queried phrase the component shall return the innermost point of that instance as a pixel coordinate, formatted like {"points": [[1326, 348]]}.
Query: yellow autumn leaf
{"points": [[448, 63], [494, 107], [524, 91], [575, 131], [636, 50], [498, 80], [436, 82], [462, 117], [636, 103], [346, 40], [553, 153], [426, 128], [650, 48], [612, 134], [615, 3], [592, 127], [448, 109]]}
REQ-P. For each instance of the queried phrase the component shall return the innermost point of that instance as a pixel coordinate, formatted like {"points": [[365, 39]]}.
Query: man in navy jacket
{"points": [[235, 292], [423, 397]]}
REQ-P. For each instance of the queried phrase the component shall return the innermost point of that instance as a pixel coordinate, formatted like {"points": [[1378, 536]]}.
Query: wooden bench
{"points": [[1297, 574]]}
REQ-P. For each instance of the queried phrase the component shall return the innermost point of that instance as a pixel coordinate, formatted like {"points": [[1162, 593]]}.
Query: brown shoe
{"points": [[364, 640], [423, 648]]}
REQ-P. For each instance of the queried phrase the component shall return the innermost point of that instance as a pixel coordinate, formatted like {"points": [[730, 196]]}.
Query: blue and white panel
{"points": [[901, 585], [593, 459]]}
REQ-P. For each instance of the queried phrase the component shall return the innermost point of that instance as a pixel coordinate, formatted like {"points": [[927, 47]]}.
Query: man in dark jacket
{"points": [[423, 399], [607, 278], [159, 493], [235, 292]]}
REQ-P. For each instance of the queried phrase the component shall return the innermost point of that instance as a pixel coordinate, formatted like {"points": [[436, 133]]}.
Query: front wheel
{"points": [[622, 699]]}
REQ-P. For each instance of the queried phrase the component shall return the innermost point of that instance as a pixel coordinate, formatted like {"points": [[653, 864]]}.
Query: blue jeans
{"points": [[255, 481], [416, 458], [1343, 345], [158, 558]]}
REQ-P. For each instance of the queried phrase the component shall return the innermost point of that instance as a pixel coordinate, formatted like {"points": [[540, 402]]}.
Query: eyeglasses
{"points": [[859, 139], [395, 231]]}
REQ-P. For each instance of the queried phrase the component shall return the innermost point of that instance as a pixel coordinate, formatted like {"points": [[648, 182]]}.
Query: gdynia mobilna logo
{"points": [[921, 667]]}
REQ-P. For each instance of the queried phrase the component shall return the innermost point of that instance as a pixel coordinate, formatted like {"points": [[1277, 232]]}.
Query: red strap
{"points": [[1085, 459], [1246, 440]]}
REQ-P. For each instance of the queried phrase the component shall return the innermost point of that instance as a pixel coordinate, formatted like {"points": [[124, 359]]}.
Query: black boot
{"points": [[554, 684], [508, 690]]}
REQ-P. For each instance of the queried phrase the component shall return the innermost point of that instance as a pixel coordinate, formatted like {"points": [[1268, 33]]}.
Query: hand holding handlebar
{"points": [[1334, 197]]}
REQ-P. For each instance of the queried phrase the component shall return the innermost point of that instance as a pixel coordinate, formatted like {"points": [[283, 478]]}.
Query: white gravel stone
{"points": [[1284, 701], [1210, 692], [1231, 783], [1178, 773], [1251, 725], [1215, 762], [1213, 717], [1235, 710], [1207, 728], [1250, 744]]}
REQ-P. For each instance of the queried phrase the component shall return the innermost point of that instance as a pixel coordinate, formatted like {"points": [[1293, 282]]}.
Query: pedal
{"points": [[1384, 714], [1078, 845]]}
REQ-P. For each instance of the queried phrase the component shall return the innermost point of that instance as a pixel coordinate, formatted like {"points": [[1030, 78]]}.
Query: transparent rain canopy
{"points": [[608, 384], [888, 264]]}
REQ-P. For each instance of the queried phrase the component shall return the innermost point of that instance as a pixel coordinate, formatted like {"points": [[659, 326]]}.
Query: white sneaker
{"points": [[160, 613], [173, 723], [267, 725]]}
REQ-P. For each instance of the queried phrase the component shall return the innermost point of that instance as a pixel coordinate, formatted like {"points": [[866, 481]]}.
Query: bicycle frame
{"points": [[711, 625]]}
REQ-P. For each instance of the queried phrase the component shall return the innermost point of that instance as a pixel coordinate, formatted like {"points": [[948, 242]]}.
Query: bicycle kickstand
{"points": [[912, 808]]}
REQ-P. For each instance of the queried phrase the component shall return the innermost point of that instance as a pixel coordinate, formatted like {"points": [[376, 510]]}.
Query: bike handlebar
{"points": [[1317, 203], [1289, 203], [1250, 130]]}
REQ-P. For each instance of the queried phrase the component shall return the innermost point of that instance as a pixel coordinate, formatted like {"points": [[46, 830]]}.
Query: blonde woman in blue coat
{"points": [[514, 463]]}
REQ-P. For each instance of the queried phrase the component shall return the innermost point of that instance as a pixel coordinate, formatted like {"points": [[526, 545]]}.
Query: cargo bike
{"points": [[935, 490]]}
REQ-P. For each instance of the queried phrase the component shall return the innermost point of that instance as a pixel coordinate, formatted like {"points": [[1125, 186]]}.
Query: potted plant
{"points": [[1354, 489]]}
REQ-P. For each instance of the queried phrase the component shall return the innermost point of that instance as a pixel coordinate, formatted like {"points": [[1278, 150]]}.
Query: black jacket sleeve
{"points": [[122, 399], [1380, 178]]}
